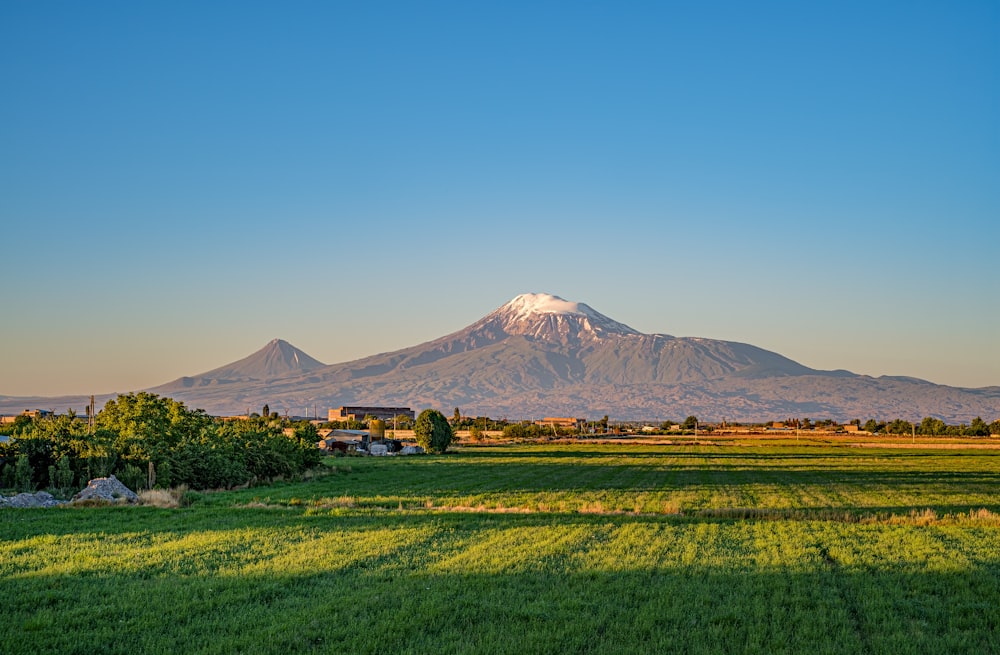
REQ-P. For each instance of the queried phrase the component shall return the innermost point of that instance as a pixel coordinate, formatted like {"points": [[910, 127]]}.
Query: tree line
{"points": [[150, 441]]}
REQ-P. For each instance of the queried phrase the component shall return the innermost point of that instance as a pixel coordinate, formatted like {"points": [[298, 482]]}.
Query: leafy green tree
{"points": [[931, 426], [978, 428], [690, 423], [899, 426], [148, 426], [995, 427], [432, 431], [515, 431]]}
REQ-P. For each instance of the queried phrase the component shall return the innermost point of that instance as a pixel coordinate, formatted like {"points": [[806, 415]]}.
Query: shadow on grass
{"points": [[407, 600]]}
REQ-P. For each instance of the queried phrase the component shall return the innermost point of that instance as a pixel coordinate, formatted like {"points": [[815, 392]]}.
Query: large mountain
{"points": [[540, 355]]}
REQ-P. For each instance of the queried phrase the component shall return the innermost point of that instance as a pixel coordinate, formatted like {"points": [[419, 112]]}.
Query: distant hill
{"points": [[540, 355]]}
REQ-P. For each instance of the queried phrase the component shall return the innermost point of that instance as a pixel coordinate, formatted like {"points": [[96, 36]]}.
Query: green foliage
{"points": [[7, 476], [931, 426], [185, 447], [432, 431], [61, 475], [24, 474], [978, 428], [164, 475], [132, 477], [515, 431], [690, 423], [899, 426]]}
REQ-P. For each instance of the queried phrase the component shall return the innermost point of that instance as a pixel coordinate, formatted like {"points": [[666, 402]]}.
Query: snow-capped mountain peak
{"points": [[545, 315], [543, 303]]}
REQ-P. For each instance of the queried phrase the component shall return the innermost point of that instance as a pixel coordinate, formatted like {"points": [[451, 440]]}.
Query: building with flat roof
{"points": [[357, 413]]}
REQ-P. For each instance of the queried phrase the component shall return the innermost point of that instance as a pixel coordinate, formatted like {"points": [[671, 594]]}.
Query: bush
{"points": [[432, 431]]}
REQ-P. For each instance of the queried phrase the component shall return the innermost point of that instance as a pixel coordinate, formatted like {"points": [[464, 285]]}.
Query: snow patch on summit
{"points": [[543, 315], [543, 303]]}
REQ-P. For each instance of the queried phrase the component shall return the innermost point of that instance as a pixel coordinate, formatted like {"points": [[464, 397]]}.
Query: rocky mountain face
{"points": [[540, 355]]}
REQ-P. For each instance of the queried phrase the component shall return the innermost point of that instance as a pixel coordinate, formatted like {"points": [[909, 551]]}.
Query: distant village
{"points": [[350, 429]]}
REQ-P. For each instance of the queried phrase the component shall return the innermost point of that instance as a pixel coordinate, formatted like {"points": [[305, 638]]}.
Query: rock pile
{"points": [[109, 490], [25, 500]]}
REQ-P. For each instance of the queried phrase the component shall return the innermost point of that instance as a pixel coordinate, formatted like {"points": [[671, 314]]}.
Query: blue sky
{"points": [[181, 182]]}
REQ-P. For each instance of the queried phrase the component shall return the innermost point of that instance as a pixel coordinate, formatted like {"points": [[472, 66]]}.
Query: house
{"points": [[343, 440]]}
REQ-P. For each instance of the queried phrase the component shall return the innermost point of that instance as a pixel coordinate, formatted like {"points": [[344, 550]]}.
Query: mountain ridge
{"points": [[539, 354]]}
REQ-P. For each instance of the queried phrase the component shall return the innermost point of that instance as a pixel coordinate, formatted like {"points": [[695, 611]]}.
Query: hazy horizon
{"points": [[180, 184]]}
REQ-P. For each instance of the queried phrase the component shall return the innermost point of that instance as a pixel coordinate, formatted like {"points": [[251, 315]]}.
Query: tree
{"points": [[265, 411], [690, 423], [932, 426], [432, 431], [457, 419], [899, 426], [978, 428]]}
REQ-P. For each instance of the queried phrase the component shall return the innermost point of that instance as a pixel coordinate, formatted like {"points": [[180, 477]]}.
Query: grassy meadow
{"points": [[575, 548]]}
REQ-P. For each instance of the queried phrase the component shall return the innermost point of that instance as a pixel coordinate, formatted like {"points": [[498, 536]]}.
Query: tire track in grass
{"points": [[841, 586]]}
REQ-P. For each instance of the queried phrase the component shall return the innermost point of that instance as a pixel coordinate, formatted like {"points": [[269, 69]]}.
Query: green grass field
{"points": [[532, 549]]}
